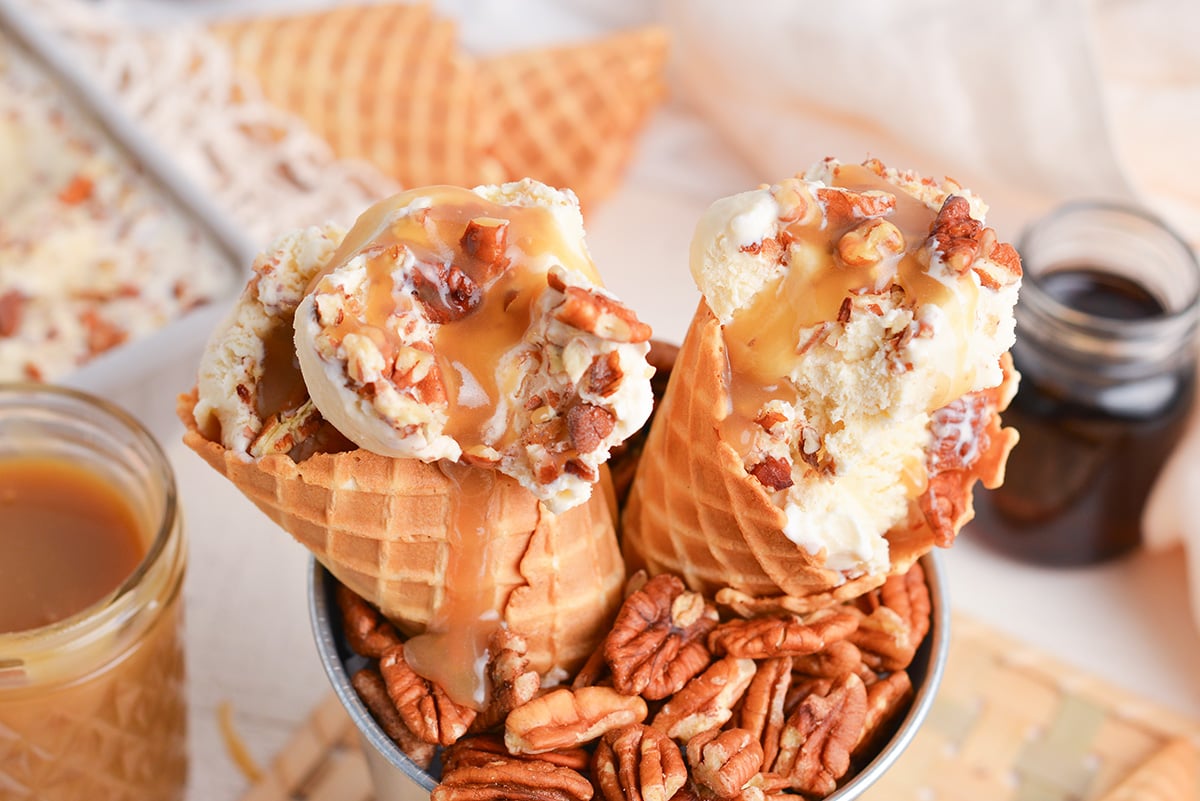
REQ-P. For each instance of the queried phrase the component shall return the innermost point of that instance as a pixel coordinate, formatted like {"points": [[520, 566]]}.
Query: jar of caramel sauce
{"points": [[1106, 347], [92, 559]]}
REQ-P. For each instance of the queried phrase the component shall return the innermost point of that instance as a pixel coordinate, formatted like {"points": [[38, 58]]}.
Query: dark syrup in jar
{"points": [[1078, 479]]}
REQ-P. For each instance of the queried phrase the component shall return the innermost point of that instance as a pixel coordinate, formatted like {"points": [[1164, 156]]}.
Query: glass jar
{"points": [[1106, 348], [92, 706]]}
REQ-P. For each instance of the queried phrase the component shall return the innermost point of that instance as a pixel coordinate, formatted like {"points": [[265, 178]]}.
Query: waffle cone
{"points": [[389, 84], [569, 116], [383, 83], [395, 532], [1172, 774], [694, 510]]}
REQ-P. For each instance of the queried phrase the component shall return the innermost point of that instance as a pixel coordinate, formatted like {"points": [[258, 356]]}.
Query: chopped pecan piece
{"points": [[566, 718], [485, 239], [706, 701], [887, 699], [588, 425], [638, 763], [604, 375], [425, 707], [870, 243], [657, 642], [723, 762], [372, 690], [368, 633], [814, 749], [513, 779], [597, 313], [449, 295], [12, 309], [845, 207], [77, 190], [101, 334], [786, 635], [511, 681], [762, 711], [961, 240], [773, 473], [286, 430]]}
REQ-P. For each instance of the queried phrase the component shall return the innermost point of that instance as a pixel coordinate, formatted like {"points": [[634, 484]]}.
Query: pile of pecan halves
{"points": [[678, 702]]}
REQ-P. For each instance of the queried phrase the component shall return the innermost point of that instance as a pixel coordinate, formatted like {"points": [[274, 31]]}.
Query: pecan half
{"points": [[372, 689], [782, 635], [480, 749], [814, 750], [638, 763], [762, 711], [512, 779], [887, 699], [889, 634], [566, 718], [425, 707], [368, 633], [724, 761], [511, 681], [836, 659], [657, 642], [706, 701]]}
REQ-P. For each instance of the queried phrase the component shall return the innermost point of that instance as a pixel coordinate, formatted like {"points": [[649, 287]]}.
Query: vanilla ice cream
{"points": [[446, 324], [855, 301]]}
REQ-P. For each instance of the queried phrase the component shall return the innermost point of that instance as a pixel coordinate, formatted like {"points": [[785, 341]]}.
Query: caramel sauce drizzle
{"points": [[453, 651], [763, 341], [430, 224]]}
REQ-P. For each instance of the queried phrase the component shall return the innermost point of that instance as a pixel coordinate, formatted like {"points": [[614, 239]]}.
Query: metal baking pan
{"points": [[144, 374]]}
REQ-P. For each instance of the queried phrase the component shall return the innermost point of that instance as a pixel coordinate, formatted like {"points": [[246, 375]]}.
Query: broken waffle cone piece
{"points": [[384, 83], [389, 84], [569, 116], [1171, 774], [837, 393], [425, 542]]}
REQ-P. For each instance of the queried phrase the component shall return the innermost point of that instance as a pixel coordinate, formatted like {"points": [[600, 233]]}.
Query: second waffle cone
{"points": [[391, 531]]}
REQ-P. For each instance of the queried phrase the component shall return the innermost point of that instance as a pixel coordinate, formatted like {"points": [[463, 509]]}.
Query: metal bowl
{"points": [[398, 778]]}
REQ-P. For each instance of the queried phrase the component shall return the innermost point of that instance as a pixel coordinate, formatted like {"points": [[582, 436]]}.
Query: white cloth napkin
{"points": [[1028, 102]]}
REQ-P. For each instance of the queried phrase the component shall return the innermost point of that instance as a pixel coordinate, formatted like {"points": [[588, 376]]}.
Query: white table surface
{"points": [[248, 637]]}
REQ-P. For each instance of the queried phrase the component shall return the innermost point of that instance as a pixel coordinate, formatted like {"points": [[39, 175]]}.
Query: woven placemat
{"points": [[1009, 724]]}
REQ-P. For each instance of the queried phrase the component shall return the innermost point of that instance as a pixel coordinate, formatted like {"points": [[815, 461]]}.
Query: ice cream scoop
{"points": [[842, 311], [471, 324]]}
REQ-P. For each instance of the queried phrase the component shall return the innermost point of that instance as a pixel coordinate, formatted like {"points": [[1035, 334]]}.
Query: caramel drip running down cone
{"points": [[387, 529]]}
